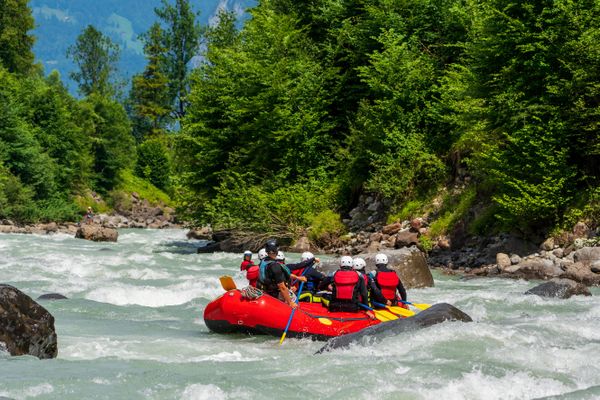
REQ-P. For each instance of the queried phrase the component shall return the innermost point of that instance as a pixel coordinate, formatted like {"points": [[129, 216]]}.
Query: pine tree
{"points": [[96, 57], [149, 92], [15, 41]]}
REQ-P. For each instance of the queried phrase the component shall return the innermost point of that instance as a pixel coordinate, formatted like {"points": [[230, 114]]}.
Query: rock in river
{"points": [[434, 315], [409, 262], [561, 288], [25, 326], [97, 233]]}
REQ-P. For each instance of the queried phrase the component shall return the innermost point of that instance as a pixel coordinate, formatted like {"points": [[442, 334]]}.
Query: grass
{"points": [[130, 183]]}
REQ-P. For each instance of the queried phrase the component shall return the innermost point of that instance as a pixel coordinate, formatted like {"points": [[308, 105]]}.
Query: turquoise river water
{"points": [[133, 329]]}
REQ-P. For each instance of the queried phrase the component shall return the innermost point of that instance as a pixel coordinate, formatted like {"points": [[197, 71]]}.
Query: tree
{"points": [[15, 41], [149, 92], [112, 142], [96, 57], [181, 40]]}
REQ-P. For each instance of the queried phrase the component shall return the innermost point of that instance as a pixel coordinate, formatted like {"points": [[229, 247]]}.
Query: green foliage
{"points": [[454, 209], [242, 203], [95, 56], [325, 226], [149, 90], [153, 163], [112, 142], [180, 40], [129, 183], [15, 41]]}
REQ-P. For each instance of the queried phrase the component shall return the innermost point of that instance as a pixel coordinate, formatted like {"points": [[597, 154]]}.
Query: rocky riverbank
{"points": [[139, 214]]}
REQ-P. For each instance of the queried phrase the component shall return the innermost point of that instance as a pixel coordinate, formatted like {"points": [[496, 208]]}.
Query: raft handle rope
{"points": [[251, 293]]}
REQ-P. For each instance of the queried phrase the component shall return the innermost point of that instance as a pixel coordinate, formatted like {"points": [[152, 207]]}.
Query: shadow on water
{"points": [[181, 247]]}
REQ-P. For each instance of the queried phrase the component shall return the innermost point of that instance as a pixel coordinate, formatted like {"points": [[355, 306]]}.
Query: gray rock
{"points": [[515, 259], [559, 253], [204, 233], [409, 262], [406, 238], [52, 296], [301, 245], [436, 314], [26, 327], [587, 254], [560, 288]]}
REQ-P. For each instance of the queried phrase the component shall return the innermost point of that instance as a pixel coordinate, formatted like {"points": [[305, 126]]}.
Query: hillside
{"points": [[58, 22]]}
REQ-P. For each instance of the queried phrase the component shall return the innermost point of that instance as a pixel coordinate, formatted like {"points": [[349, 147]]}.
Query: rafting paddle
{"points": [[292, 314], [397, 310], [421, 306], [227, 283], [383, 316]]}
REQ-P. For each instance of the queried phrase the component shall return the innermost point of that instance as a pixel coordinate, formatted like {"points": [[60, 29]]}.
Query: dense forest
{"points": [[287, 121]]}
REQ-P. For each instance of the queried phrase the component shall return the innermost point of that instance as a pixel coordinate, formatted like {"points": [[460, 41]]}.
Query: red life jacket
{"points": [[345, 282], [388, 282], [245, 265], [252, 275]]}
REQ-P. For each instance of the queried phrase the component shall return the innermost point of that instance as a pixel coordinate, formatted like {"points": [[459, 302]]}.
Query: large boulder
{"points": [[301, 245], [561, 288], [587, 255], [97, 233], [26, 328], [581, 272], [409, 262]]}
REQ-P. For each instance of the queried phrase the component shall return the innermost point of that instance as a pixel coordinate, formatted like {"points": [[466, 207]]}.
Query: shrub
{"points": [[153, 163], [326, 226]]}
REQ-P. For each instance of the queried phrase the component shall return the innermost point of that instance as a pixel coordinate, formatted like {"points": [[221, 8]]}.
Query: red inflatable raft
{"points": [[231, 313]]}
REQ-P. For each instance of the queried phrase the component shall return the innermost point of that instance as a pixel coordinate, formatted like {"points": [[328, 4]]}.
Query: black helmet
{"points": [[271, 246]]}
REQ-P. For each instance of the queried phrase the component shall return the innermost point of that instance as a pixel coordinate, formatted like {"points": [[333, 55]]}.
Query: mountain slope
{"points": [[59, 22]]}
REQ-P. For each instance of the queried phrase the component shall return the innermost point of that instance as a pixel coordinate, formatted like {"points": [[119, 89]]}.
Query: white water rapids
{"points": [[132, 328]]}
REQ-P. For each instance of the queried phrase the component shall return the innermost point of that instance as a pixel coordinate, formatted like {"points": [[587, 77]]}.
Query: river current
{"points": [[132, 328]]}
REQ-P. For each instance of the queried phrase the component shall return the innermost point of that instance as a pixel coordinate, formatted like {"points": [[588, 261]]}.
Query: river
{"points": [[133, 329]]}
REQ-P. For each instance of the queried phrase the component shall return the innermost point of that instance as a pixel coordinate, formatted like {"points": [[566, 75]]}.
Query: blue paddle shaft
{"points": [[293, 310]]}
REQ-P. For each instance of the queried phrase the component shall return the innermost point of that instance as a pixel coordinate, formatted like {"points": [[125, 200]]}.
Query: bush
{"points": [[153, 163], [326, 226]]}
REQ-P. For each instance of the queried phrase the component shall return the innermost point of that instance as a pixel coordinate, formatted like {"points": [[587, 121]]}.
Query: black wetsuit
{"points": [[275, 274], [313, 277]]}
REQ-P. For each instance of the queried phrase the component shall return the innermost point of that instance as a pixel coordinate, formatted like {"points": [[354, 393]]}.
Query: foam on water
{"points": [[132, 328]]}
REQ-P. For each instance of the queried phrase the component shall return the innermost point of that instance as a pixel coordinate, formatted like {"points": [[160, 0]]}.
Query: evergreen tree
{"points": [[95, 56], [149, 92], [181, 40], [15, 41]]}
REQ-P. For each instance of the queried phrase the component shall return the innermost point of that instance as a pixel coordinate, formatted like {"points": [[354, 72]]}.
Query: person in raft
{"points": [[306, 267], [385, 283], [275, 278], [348, 288], [250, 268], [360, 265]]}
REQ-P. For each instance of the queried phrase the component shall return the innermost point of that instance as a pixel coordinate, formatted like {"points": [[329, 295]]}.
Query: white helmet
{"points": [[346, 261], [307, 255], [262, 253], [280, 256], [381, 259], [247, 253], [358, 263]]}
